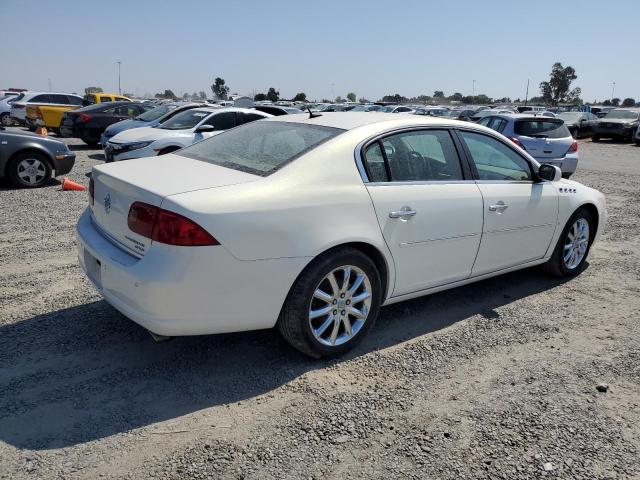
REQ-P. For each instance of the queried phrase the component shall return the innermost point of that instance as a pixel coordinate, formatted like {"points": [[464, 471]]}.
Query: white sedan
{"points": [[313, 222], [179, 131]]}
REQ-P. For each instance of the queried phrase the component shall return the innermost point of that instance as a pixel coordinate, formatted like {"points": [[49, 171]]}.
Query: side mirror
{"points": [[205, 128], [549, 172]]}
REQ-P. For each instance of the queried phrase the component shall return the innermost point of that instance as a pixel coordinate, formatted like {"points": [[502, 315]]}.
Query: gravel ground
{"points": [[493, 380]]}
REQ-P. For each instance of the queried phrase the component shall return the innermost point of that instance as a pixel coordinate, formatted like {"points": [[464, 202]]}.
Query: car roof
{"points": [[351, 120]]}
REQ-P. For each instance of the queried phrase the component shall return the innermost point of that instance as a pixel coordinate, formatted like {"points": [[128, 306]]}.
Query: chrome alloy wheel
{"points": [[31, 171], [576, 243], [340, 305]]}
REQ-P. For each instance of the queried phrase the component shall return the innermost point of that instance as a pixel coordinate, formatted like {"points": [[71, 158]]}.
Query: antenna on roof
{"points": [[313, 114]]}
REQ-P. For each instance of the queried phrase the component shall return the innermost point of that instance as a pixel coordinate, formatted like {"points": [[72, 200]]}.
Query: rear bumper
{"points": [[64, 163], [568, 163], [179, 291]]}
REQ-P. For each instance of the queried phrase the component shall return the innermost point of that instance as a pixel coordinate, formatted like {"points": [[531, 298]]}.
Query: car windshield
{"points": [[185, 120], [154, 113], [260, 148], [541, 128], [622, 114]]}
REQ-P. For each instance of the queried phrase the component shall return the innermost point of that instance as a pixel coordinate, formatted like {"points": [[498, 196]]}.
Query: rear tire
{"points": [[562, 263], [5, 120], [318, 315], [29, 170]]}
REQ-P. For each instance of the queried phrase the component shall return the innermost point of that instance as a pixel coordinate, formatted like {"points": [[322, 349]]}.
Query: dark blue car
{"points": [[148, 119]]}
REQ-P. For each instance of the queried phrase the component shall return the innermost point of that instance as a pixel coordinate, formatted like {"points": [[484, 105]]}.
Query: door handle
{"points": [[403, 213], [498, 207]]}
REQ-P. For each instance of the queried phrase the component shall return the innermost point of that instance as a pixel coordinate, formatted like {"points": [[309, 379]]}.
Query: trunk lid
{"points": [[149, 180], [544, 137]]}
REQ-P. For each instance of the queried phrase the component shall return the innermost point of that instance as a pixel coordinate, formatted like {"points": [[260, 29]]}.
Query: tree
{"points": [[300, 97], [363, 100], [167, 94], [438, 94], [456, 97], [89, 90], [420, 99], [607, 103], [220, 89], [203, 96], [273, 94], [556, 90], [339, 99], [185, 96], [351, 96], [628, 102], [260, 97], [397, 98], [615, 102]]}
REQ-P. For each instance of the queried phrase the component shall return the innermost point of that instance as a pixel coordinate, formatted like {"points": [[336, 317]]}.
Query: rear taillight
{"points": [[167, 227], [517, 142], [92, 194], [83, 118], [574, 147]]}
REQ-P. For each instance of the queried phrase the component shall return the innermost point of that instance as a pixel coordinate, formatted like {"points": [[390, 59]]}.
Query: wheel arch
{"points": [[168, 149], [593, 210], [29, 149], [375, 254]]}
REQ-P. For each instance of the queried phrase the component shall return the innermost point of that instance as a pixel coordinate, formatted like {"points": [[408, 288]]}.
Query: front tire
{"points": [[333, 304], [572, 249], [5, 120], [29, 170]]}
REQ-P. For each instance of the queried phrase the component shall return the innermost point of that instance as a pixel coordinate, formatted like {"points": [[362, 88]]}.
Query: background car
{"points": [[92, 98], [5, 110], [367, 108], [547, 140], [619, 123], [19, 105], [280, 211], [150, 118], [183, 129], [88, 123], [580, 124], [396, 109], [28, 160], [460, 114], [636, 138], [486, 112]]}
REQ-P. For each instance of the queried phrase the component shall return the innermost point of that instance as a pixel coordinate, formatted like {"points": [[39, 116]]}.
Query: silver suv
{"points": [[546, 139]]}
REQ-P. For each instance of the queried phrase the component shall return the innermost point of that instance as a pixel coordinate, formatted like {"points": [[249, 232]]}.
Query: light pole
{"points": [[119, 62], [473, 92], [613, 89]]}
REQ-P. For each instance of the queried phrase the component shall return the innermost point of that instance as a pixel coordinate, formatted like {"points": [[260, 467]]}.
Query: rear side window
{"points": [[222, 121], [260, 148], [541, 128], [374, 163], [59, 99], [247, 117], [497, 124], [74, 100], [44, 98]]}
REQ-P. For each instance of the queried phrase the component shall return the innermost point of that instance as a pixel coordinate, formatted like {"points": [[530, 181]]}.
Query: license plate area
{"points": [[94, 268]]}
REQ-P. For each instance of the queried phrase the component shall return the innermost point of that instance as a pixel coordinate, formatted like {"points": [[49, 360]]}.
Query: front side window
{"points": [[260, 148], [494, 160], [105, 99], [497, 124], [423, 155], [44, 98]]}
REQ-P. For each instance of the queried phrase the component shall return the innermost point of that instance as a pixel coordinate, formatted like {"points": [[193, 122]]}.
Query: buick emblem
{"points": [[107, 203]]}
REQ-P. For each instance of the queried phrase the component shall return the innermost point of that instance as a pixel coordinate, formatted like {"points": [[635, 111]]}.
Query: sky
{"points": [[323, 48]]}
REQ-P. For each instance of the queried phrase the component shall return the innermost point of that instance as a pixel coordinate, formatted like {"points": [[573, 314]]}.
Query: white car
{"points": [[179, 131], [24, 99], [313, 222]]}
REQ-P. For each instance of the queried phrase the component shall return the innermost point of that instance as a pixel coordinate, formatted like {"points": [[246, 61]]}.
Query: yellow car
{"points": [[49, 116], [105, 97]]}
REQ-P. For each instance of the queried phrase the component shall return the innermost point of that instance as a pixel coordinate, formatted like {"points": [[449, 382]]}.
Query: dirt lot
{"points": [[492, 380]]}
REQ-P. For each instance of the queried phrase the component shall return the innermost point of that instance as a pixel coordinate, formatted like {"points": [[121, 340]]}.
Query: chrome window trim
{"points": [[359, 150], [419, 182]]}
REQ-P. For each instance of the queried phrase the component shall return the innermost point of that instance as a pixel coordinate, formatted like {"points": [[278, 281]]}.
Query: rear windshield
{"points": [[622, 114], [260, 148], [541, 128]]}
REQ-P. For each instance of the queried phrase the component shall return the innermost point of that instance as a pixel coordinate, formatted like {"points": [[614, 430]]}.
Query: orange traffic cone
{"points": [[42, 131], [69, 185]]}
